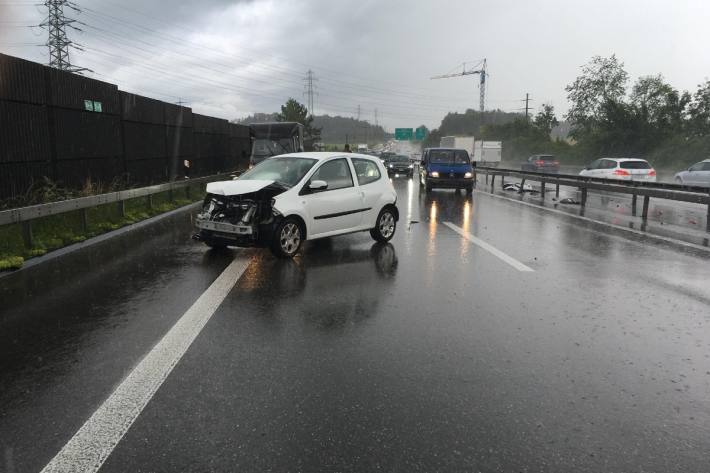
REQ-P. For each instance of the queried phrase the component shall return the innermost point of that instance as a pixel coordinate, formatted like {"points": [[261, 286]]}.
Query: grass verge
{"points": [[57, 231]]}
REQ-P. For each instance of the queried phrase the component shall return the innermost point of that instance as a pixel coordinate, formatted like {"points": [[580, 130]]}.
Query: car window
{"points": [[594, 164], [366, 171], [336, 173], [706, 166], [696, 167], [635, 165], [608, 164]]}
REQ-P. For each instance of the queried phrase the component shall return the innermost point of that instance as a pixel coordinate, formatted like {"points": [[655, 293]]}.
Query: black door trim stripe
{"points": [[341, 214]]}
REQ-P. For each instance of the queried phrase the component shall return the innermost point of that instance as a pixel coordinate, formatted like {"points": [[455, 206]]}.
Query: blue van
{"points": [[447, 168]]}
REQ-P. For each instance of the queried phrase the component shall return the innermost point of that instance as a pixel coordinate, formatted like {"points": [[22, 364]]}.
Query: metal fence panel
{"points": [[22, 80], [180, 141], [76, 173], [72, 90], [137, 108], [147, 171], [16, 178], [238, 131], [82, 134], [178, 116], [24, 135], [143, 141]]}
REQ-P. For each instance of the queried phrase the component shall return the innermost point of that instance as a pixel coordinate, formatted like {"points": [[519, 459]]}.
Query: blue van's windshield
{"points": [[449, 156]]}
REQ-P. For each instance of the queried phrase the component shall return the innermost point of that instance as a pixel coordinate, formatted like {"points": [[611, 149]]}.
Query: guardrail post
{"points": [[486, 177], [633, 205], [493, 180], [122, 208], [150, 201], [557, 189], [502, 180], [522, 184], [542, 190], [27, 234], [187, 191], [84, 221], [644, 214], [584, 197], [707, 219]]}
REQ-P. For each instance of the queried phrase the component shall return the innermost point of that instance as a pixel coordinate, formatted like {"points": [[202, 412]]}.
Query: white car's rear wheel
{"points": [[385, 227]]}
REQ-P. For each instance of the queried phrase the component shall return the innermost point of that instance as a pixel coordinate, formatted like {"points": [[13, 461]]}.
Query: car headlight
{"points": [[468, 175], [391, 166], [411, 166], [434, 174]]}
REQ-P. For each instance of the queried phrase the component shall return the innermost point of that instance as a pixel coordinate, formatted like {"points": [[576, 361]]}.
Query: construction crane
{"points": [[479, 68]]}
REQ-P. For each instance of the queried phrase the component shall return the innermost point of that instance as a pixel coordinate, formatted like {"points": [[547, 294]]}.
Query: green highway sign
{"points": [[420, 134], [403, 134]]}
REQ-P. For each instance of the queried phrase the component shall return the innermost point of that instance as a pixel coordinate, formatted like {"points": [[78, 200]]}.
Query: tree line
{"points": [[650, 119]]}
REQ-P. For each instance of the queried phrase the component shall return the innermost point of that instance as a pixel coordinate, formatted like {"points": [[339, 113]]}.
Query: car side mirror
{"points": [[317, 185], [422, 163]]}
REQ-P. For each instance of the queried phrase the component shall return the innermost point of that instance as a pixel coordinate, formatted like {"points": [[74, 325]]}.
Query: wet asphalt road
{"points": [[428, 354]]}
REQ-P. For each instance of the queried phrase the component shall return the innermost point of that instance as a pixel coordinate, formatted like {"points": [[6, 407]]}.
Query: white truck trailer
{"points": [[486, 153], [459, 142]]}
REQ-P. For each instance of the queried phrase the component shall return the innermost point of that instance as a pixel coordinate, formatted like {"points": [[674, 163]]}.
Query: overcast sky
{"points": [[233, 58]]}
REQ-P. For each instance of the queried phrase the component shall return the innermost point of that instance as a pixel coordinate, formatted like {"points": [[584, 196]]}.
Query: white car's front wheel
{"points": [[385, 227], [287, 238]]}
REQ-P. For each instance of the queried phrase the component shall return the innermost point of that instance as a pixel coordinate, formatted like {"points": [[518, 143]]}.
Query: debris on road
{"points": [[569, 200], [515, 187]]}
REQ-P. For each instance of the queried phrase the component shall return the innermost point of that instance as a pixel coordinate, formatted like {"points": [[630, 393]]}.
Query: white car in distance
{"points": [[290, 198], [624, 169]]}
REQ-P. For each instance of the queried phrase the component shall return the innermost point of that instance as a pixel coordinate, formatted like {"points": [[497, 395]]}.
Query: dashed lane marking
{"points": [[490, 248]]}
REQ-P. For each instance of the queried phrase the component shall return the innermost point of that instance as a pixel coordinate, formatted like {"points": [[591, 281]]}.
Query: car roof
{"points": [[323, 155], [445, 149], [622, 160]]}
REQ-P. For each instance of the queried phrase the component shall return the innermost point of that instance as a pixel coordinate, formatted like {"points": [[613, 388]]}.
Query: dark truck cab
{"points": [[273, 139], [447, 168]]}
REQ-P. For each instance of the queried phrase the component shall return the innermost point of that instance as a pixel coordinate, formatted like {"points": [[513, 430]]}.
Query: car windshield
{"points": [[287, 171], [397, 159], [634, 165], [448, 156], [272, 147], [546, 158]]}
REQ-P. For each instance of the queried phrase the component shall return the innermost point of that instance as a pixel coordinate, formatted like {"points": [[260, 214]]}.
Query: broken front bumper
{"points": [[223, 227]]}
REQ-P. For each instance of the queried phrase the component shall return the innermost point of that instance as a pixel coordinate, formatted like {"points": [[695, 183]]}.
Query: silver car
{"points": [[696, 175]]}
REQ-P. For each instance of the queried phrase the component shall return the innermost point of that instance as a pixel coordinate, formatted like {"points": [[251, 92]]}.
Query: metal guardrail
{"points": [[25, 215], [678, 192]]}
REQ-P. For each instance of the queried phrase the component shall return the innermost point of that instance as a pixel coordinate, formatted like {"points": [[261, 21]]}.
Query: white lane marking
{"points": [[489, 248], [89, 448], [633, 231]]}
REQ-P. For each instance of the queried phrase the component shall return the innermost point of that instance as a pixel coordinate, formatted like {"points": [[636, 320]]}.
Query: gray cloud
{"points": [[230, 58]]}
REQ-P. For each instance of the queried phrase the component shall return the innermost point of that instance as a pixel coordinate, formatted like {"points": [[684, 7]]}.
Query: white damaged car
{"points": [[301, 196]]}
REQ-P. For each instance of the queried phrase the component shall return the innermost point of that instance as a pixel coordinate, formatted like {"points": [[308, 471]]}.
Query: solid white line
{"points": [[89, 448], [489, 248]]}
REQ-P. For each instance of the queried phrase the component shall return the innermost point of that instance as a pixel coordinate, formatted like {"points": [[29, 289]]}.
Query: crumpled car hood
{"points": [[237, 187]]}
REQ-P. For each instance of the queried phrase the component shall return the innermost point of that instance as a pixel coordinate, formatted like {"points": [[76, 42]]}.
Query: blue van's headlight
{"points": [[434, 174], [468, 175]]}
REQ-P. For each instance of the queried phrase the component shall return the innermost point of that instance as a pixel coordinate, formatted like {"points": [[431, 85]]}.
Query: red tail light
{"points": [[555, 163], [539, 162], [652, 172], [621, 172]]}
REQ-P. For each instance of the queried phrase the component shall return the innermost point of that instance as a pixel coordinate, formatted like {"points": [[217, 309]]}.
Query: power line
{"points": [[58, 42]]}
